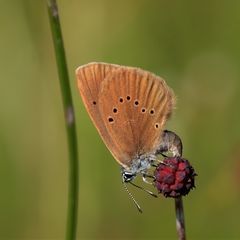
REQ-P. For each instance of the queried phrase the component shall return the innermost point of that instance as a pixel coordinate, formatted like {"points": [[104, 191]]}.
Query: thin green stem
{"points": [[71, 230]]}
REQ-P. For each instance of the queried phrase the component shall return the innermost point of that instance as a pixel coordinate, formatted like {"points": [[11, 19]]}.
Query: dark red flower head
{"points": [[174, 177]]}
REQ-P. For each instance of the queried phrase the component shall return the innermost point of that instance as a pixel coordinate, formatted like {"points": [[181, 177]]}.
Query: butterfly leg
{"points": [[145, 190], [145, 176]]}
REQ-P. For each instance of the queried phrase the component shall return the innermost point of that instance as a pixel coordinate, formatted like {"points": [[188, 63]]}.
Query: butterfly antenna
{"points": [[145, 190], [131, 196]]}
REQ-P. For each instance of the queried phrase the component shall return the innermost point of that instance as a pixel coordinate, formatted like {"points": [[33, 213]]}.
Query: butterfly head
{"points": [[127, 176]]}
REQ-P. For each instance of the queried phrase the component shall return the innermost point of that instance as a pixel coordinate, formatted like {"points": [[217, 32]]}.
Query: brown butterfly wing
{"points": [[134, 106], [89, 79]]}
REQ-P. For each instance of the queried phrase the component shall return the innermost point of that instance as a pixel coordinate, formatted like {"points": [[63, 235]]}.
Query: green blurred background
{"points": [[194, 45]]}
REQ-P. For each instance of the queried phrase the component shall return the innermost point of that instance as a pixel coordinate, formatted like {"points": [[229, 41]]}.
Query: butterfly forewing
{"points": [[134, 105]]}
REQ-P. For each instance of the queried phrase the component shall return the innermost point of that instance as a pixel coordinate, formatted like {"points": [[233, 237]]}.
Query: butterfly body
{"points": [[139, 165]]}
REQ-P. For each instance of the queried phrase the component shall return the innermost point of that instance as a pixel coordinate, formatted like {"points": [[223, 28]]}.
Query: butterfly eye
{"points": [[94, 102], [110, 119], [136, 102], [121, 100], [115, 110], [128, 98]]}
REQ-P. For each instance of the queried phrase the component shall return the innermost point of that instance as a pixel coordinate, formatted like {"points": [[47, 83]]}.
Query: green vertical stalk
{"points": [[71, 228]]}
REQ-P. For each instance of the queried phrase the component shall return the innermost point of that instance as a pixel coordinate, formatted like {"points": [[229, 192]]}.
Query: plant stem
{"points": [[71, 228], [180, 219]]}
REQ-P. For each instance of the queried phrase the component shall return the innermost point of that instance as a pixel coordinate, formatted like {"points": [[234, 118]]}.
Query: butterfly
{"points": [[129, 107]]}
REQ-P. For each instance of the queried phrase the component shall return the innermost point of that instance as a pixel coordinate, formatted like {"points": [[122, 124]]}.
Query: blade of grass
{"points": [[71, 228]]}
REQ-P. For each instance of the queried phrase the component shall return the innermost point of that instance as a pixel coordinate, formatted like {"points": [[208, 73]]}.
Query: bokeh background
{"points": [[194, 45]]}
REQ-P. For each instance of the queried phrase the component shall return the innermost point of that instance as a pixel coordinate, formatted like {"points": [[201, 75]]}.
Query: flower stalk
{"points": [[174, 176], [180, 218]]}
